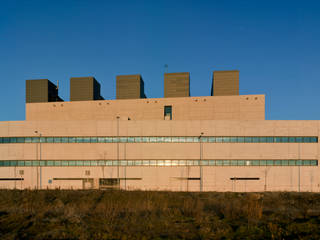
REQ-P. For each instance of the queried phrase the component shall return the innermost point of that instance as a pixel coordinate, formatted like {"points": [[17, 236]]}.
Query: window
{"points": [[35, 139], [167, 112]]}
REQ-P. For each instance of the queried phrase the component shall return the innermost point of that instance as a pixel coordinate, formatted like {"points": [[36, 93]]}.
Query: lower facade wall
{"points": [[183, 178]]}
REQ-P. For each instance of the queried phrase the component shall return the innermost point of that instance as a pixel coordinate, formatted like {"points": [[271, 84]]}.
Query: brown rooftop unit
{"points": [[225, 83], [41, 90], [176, 84], [130, 87], [84, 89]]}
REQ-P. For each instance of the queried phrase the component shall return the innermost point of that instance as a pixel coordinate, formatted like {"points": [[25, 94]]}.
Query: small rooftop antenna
{"points": [[166, 68], [57, 84]]}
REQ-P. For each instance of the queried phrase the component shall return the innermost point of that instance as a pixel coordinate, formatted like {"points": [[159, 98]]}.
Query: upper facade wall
{"points": [[244, 107]]}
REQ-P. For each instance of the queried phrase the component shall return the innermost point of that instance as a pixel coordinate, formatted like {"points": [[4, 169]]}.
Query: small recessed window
{"points": [[168, 112]]}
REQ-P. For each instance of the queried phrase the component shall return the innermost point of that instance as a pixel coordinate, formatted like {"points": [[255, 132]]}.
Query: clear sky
{"points": [[274, 44]]}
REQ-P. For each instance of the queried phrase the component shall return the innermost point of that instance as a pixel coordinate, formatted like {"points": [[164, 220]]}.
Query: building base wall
{"points": [[182, 178]]}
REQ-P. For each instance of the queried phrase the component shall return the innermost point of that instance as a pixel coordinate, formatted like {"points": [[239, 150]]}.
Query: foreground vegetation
{"points": [[55, 214]]}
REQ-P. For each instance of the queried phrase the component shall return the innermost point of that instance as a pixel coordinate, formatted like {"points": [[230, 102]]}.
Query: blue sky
{"points": [[274, 44]]}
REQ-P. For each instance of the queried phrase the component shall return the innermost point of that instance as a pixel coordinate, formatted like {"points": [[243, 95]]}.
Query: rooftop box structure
{"points": [[41, 90], [176, 84], [84, 89], [225, 83], [130, 87]]}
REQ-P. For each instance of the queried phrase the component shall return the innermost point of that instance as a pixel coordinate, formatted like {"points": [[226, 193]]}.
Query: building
{"points": [[179, 143]]}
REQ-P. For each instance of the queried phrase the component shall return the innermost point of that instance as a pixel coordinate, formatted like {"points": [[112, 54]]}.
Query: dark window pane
{"points": [[277, 162], [13, 163], [269, 139], [101, 139], [35, 139], [212, 139], [292, 162], [79, 139], [299, 139], [168, 112], [241, 163], [50, 163], [270, 163], [86, 163], [233, 162], [277, 139], [285, 139], [306, 139], [219, 162], [5, 140], [20, 163], [314, 163], [72, 163], [255, 139], [130, 139], [247, 139], [72, 139], [64, 139], [27, 163], [226, 139], [203, 139], [108, 139], [218, 139], [306, 162], [292, 139], [57, 139], [35, 163], [233, 139], [79, 163], [314, 139], [263, 139], [137, 139], [94, 139], [255, 162], [64, 163], [49, 139], [241, 139], [284, 162], [20, 140], [86, 139]]}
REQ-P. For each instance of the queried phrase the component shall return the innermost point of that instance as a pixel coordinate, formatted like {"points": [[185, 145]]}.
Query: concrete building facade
{"points": [[214, 143]]}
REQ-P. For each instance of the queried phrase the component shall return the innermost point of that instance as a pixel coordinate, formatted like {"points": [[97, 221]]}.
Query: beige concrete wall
{"points": [[215, 178], [172, 178], [244, 107]]}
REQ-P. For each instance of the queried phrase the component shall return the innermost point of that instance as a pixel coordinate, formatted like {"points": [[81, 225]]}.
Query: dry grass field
{"points": [[57, 214]]}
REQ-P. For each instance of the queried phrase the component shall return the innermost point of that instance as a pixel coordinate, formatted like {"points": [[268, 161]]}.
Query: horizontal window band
{"points": [[11, 179], [158, 162], [164, 139], [244, 178]]}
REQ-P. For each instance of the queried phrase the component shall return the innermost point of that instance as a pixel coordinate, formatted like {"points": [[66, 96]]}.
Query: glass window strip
{"points": [[163, 139], [205, 162]]}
